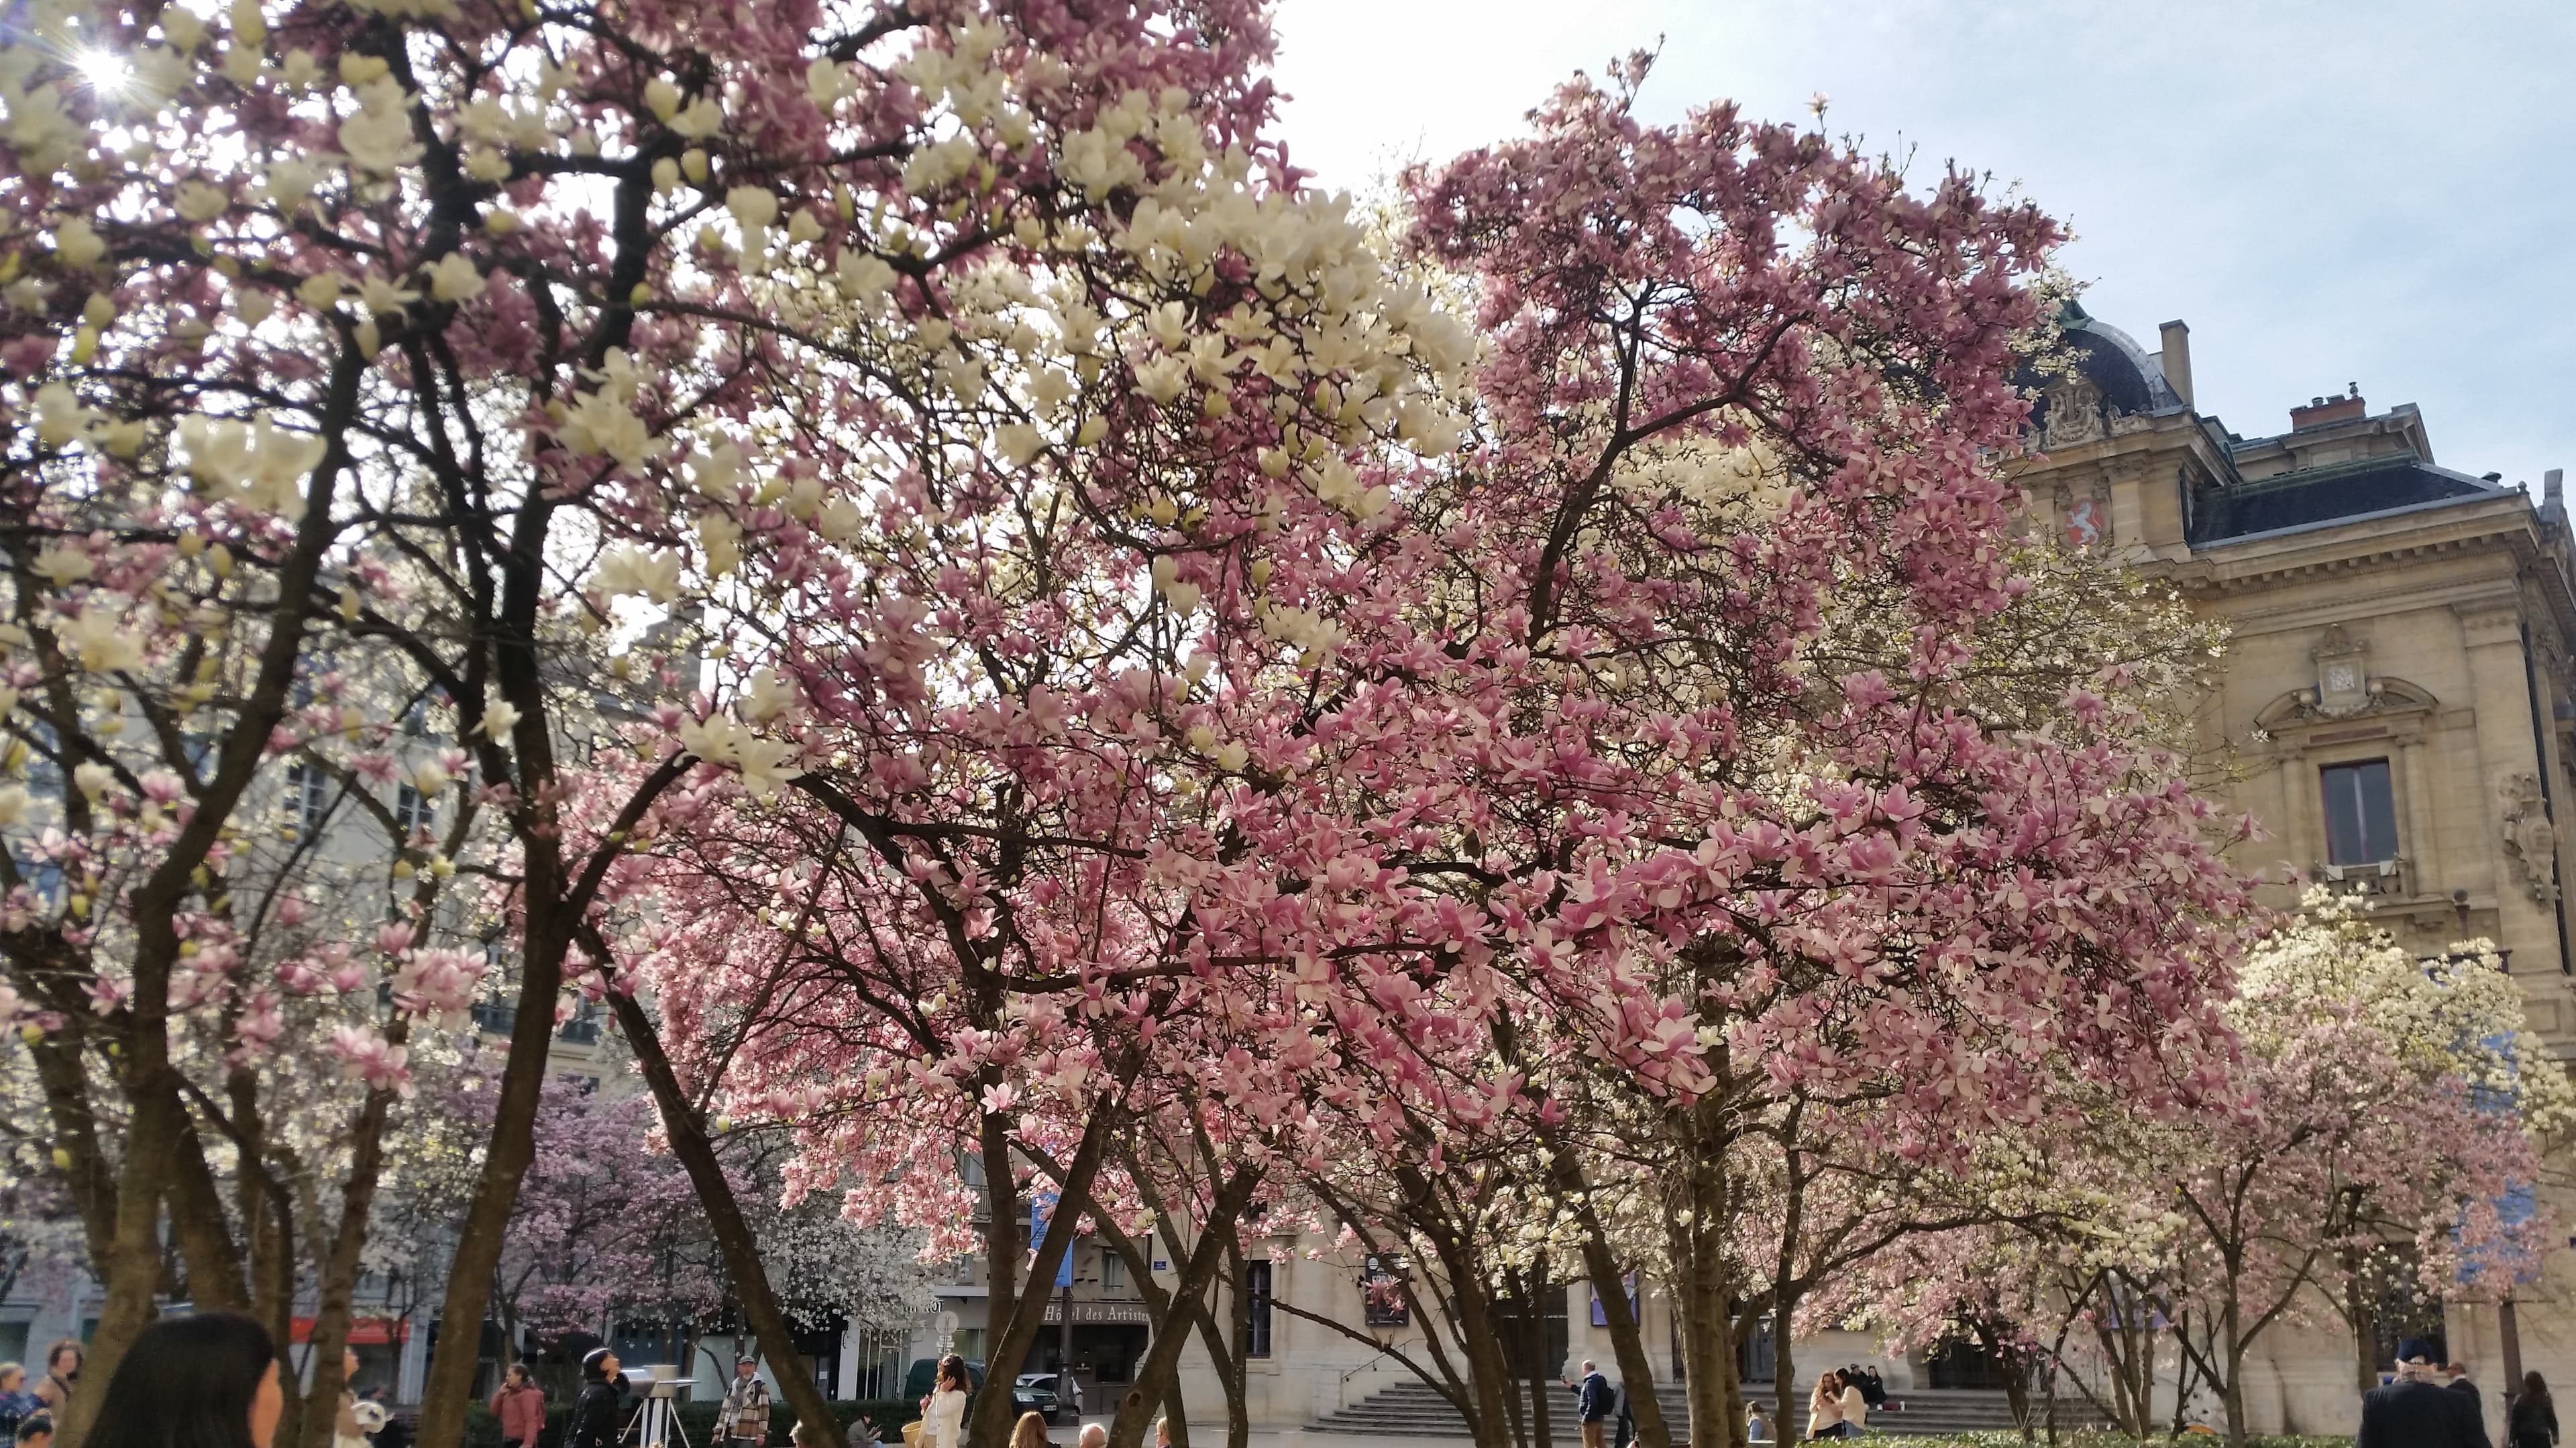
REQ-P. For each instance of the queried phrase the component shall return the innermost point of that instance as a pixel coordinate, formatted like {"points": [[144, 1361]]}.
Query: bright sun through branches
{"points": [[103, 71]]}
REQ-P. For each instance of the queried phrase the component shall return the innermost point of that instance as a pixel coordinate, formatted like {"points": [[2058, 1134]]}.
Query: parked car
{"points": [[1024, 1399], [1038, 1393], [925, 1371]]}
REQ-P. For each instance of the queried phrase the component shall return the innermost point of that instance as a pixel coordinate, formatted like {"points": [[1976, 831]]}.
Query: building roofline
{"points": [[2492, 494]]}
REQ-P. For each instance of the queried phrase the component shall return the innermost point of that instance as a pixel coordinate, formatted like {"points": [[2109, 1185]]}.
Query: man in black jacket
{"points": [[2416, 1411], [593, 1423]]}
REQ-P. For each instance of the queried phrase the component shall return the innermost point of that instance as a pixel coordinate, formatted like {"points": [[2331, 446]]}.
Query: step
{"points": [[1414, 1409]]}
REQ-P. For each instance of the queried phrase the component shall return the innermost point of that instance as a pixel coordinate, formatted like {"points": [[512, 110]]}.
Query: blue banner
{"points": [[1041, 1209]]}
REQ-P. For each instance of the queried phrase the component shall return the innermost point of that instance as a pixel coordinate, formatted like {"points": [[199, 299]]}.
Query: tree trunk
{"points": [[216, 1278], [687, 1132], [1127, 1428], [1707, 1297], [1627, 1341], [2360, 1311], [496, 1188], [1488, 1376], [91, 1177], [132, 1271], [1233, 1361], [337, 1288], [988, 1424], [1567, 1178], [2233, 1391], [1536, 1314]]}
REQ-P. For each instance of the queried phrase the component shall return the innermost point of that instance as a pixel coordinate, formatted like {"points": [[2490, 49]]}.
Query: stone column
{"points": [[2500, 692], [2302, 836], [2417, 783]]}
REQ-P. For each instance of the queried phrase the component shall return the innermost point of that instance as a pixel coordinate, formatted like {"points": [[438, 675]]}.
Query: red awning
{"points": [[363, 1331]]}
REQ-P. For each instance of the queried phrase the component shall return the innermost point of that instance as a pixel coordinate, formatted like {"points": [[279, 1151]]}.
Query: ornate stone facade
{"points": [[2396, 707]]}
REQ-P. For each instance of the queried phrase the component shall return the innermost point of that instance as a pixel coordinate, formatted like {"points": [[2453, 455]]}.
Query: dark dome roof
{"points": [[2128, 379]]}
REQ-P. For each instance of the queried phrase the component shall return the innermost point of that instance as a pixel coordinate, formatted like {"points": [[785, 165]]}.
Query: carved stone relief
{"points": [[2343, 675], [2530, 839], [2074, 413]]}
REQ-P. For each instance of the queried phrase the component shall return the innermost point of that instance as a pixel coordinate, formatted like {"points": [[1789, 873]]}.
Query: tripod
{"points": [[656, 1425]]}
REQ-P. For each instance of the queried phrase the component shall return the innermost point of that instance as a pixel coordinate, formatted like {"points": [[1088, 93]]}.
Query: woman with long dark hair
{"points": [[943, 1413], [204, 1381], [2532, 1422]]}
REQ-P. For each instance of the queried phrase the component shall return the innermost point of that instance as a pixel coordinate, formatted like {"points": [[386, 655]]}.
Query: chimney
{"points": [[2321, 411], [2177, 358], [2553, 489]]}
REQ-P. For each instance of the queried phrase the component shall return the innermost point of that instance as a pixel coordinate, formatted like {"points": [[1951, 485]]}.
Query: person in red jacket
{"points": [[521, 1407]]}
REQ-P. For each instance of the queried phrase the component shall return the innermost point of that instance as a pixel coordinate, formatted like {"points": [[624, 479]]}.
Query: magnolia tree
{"points": [[1586, 760], [2380, 1100], [1119, 704], [431, 339], [1282, 758], [2383, 1115]]}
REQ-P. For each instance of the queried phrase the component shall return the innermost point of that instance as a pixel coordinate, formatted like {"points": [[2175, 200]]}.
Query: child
{"points": [[36, 1430]]}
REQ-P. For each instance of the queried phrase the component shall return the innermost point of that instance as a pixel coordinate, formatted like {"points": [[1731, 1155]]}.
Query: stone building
{"points": [[2396, 703]]}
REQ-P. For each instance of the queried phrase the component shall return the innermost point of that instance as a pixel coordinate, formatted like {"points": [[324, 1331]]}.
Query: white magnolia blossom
{"points": [[630, 571], [257, 464]]}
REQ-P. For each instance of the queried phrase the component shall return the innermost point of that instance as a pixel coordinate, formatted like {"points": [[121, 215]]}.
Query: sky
{"points": [[2328, 193]]}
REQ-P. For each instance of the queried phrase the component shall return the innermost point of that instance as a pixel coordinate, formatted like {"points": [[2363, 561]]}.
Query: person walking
{"points": [[1825, 1407], [1625, 1420], [593, 1421], [1594, 1402], [2416, 1411], [62, 1370], [521, 1407], [208, 1380], [943, 1413], [745, 1413], [2532, 1421]]}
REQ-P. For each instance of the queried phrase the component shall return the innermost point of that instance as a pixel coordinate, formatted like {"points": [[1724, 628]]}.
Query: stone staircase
{"points": [[1410, 1408]]}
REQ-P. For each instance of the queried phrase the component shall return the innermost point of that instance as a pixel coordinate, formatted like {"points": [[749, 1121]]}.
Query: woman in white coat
{"points": [[943, 1413]]}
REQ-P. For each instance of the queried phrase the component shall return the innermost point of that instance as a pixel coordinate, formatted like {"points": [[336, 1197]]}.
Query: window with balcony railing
{"points": [[2361, 813]]}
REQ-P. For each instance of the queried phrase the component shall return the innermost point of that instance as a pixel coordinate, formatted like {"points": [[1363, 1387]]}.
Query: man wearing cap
{"points": [[2416, 1411], [593, 1423]]}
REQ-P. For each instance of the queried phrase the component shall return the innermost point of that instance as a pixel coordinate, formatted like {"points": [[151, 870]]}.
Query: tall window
{"points": [[1256, 1301], [1113, 1272], [413, 813], [308, 797], [2361, 814]]}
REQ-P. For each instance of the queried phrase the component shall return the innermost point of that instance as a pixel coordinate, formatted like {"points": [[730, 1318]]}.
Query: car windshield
{"points": [[1037, 1380]]}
